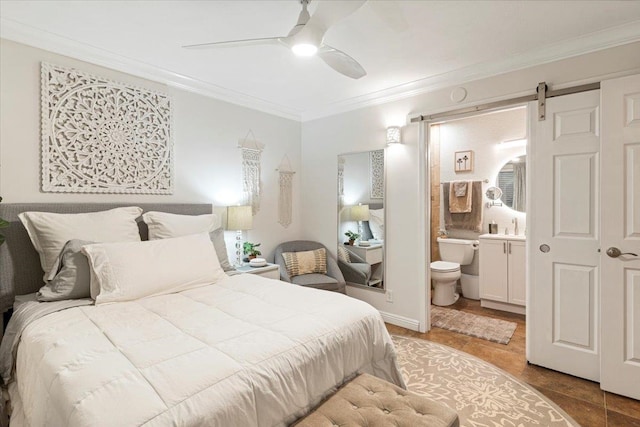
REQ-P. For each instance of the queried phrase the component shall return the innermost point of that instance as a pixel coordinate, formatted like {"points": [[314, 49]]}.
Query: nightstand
{"points": [[373, 255], [270, 271]]}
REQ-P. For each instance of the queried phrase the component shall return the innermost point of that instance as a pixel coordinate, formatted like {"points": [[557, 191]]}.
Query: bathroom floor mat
{"points": [[495, 330]]}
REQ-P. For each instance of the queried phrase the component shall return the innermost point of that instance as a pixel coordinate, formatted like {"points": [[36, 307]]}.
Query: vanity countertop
{"points": [[519, 237]]}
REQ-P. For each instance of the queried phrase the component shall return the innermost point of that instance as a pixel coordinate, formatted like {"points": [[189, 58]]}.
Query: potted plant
{"points": [[3, 224], [250, 250], [351, 236]]}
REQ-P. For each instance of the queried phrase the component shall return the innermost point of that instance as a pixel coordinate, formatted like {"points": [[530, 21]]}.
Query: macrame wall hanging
{"points": [[251, 152], [376, 172], [285, 201], [102, 136]]}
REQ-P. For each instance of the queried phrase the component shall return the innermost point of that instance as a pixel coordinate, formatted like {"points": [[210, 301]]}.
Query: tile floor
{"points": [[582, 399]]}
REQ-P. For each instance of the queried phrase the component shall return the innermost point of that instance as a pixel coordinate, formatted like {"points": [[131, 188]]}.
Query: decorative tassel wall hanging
{"points": [[285, 201], [251, 152]]}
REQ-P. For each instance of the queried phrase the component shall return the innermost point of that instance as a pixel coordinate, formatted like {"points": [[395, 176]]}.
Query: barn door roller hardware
{"points": [[542, 94]]}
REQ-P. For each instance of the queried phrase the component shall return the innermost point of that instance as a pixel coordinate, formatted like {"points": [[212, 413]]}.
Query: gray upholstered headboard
{"points": [[20, 271]]}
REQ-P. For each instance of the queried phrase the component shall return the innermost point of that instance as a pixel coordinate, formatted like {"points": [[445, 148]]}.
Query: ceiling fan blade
{"points": [[341, 62], [327, 13], [236, 43]]}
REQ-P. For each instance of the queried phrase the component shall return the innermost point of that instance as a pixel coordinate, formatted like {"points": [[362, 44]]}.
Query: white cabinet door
{"points": [[620, 363], [563, 321], [517, 273], [493, 270]]}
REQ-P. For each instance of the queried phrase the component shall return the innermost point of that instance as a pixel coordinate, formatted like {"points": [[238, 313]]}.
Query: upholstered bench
{"points": [[372, 402]]}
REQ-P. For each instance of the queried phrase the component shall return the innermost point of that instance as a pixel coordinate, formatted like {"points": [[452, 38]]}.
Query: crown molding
{"points": [[612, 37], [25, 34]]}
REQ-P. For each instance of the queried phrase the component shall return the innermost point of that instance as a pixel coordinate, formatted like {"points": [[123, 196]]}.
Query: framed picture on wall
{"points": [[463, 161]]}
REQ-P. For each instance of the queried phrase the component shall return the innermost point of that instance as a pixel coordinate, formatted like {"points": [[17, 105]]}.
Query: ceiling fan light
{"points": [[304, 49]]}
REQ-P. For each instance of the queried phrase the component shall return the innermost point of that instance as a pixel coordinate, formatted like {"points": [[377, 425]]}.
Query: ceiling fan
{"points": [[306, 37]]}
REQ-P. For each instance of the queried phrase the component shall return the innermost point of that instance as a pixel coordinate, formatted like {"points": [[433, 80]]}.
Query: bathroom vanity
{"points": [[503, 272]]}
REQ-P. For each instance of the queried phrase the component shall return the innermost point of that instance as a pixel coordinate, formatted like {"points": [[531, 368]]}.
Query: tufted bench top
{"points": [[372, 402]]}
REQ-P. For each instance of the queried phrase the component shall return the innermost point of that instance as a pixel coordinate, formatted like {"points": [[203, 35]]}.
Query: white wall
{"points": [[364, 129], [206, 134]]}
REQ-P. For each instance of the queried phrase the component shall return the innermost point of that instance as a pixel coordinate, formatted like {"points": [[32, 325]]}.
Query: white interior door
{"points": [[563, 312], [620, 361]]}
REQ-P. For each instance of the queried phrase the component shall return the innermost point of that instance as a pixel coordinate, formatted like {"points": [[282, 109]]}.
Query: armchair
{"points": [[332, 281], [355, 269]]}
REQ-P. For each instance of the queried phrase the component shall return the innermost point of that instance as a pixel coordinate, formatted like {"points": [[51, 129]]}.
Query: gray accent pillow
{"points": [[217, 237], [73, 277]]}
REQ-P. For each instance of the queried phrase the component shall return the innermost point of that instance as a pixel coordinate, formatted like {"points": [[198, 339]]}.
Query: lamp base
{"points": [[238, 248]]}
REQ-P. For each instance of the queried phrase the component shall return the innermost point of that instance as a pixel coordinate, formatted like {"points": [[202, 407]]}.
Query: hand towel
{"points": [[460, 188], [459, 204], [464, 221]]}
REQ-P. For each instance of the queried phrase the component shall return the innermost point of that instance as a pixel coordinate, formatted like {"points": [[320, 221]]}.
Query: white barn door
{"points": [[563, 321], [620, 361]]}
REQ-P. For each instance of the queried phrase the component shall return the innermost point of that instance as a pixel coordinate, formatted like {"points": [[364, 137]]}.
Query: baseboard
{"points": [[402, 321]]}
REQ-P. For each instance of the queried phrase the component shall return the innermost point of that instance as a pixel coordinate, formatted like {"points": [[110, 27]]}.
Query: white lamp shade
{"points": [[239, 218], [360, 213]]}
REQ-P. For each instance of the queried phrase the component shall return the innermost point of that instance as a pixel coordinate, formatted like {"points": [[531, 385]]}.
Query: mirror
{"points": [[361, 216], [493, 193], [512, 182]]}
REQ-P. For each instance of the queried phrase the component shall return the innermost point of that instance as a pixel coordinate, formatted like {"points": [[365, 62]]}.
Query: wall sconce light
{"points": [[393, 135], [513, 143]]}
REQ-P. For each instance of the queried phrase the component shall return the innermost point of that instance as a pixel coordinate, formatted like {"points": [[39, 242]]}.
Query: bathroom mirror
{"points": [[493, 193], [361, 218], [512, 181]]}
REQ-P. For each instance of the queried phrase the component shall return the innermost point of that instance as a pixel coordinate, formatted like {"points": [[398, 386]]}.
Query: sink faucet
{"points": [[515, 227]]}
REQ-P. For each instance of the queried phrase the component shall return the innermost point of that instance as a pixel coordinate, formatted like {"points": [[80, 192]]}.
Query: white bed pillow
{"points": [[164, 225], [131, 270], [376, 223], [49, 232]]}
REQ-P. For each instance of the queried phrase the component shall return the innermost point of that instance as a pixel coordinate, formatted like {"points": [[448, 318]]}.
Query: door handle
{"points": [[509, 247], [614, 252], [504, 247]]}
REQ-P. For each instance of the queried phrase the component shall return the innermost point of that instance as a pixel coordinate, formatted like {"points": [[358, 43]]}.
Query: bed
{"points": [[245, 351]]}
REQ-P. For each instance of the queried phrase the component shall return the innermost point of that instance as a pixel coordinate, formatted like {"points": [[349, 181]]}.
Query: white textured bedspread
{"points": [[246, 351]]}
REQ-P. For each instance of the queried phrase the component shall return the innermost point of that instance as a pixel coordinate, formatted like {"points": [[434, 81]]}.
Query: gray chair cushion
{"points": [[315, 280]]}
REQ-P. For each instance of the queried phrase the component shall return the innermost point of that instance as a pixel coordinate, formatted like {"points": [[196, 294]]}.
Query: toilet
{"points": [[445, 273]]}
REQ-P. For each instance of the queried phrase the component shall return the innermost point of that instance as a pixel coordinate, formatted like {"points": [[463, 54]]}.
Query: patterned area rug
{"points": [[495, 330], [482, 394]]}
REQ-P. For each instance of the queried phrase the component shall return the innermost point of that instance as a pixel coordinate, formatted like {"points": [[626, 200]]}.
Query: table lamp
{"points": [[360, 213], [239, 218]]}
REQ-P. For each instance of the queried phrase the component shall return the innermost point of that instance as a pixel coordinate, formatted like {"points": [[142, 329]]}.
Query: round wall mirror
{"points": [[512, 182], [493, 193]]}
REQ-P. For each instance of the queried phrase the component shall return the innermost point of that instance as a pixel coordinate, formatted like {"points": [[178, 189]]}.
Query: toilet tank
{"points": [[457, 250]]}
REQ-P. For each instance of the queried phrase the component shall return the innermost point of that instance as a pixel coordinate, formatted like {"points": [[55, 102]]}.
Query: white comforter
{"points": [[246, 351]]}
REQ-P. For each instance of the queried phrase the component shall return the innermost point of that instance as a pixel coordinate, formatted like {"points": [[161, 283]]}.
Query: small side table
{"points": [[373, 255], [270, 271]]}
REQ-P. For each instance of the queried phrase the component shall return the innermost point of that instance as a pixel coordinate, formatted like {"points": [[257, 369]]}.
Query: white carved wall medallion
{"points": [[102, 136], [376, 172]]}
